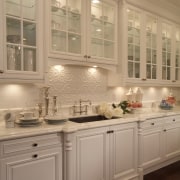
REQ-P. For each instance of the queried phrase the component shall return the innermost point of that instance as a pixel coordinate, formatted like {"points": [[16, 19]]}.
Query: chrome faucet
{"points": [[82, 108]]}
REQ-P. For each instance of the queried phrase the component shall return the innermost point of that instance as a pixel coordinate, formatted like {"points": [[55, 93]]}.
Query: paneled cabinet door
{"points": [[42, 165], [92, 155], [22, 39], [123, 156], [101, 31], [172, 141], [150, 147]]}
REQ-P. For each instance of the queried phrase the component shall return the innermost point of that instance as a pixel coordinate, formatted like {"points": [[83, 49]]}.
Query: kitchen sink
{"points": [[85, 119]]}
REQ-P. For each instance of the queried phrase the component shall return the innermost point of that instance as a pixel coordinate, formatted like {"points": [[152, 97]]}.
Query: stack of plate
{"points": [[33, 121], [55, 119]]}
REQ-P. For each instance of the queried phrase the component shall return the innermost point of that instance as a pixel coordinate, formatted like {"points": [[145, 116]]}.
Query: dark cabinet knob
{"points": [[35, 145], [152, 124], [165, 130], [174, 120], [1, 71], [88, 56], [35, 156]]}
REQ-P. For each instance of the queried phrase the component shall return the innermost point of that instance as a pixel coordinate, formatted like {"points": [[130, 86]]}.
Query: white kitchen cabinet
{"points": [[36, 158], [22, 40], [150, 142], [158, 142], [84, 31], [102, 153], [149, 49], [171, 134]]}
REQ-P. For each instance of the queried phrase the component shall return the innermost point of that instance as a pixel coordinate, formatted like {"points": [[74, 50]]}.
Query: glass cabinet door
{"points": [[21, 34], [133, 43], [177, 55], [151, 48], [102, 29], [166, 51], [66, 22]]}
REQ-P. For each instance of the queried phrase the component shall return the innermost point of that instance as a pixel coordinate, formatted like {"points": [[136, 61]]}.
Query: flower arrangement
{"points": [[124, 105]]}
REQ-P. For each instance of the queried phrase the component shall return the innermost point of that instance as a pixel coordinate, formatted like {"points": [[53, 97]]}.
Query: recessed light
{"points": [[98, 30]]}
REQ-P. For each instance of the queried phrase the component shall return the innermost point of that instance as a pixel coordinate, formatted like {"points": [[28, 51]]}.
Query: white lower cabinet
{"points": [[107, 153], [159, 142], [37, 162]]}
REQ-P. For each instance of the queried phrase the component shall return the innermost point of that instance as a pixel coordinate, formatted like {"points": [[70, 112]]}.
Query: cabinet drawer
{"points": [[172, 120], [29, 143], [151, 123]]}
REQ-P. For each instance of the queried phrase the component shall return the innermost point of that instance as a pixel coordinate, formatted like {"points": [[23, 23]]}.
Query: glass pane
{"points": [[58, 40], [29, 9], [96, 10], [13, 31], [130, 18], [13, 7], [164, 58], [168, 59], [154, 72], [137, 20], [13, 57], [164, 73], [29, 34], [29, 59], [130, 52], [168, 45], [177, 74], [137, 53], [164, 44], [74, 42], [136, 40], [177, 61], [108, 31], [148, 40], [148, 55], [148, 71], [168, 73], [97, 47], [137, 70], [97, 29], [154, 56], [108, 12], [75, 6], [153, 41], [58, 19], [130, 39], [130, 69], [74, 22], [177, 47], [108, 49]]}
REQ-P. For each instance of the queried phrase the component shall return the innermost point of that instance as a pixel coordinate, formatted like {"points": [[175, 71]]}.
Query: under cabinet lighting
{"points": [[98, 30], [58, 68], [95, 1], [95, 66], [73, 38]]}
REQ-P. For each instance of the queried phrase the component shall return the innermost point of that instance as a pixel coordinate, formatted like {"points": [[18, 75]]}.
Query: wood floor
{"points": [[171, 172]]}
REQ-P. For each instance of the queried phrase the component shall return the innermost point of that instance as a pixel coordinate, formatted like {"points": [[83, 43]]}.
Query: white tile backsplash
{"points": [[72, 83]]}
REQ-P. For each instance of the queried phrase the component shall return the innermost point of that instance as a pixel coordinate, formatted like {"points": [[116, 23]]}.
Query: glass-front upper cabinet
{"points": [[151, 47], [166, 51], [82, 30], [66, 26], [103, 28], [22, 22], [177, 55], [21, 44], [133, 55]]}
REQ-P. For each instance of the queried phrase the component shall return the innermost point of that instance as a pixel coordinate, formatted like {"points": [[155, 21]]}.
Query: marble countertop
{"points": [[68, 127]]}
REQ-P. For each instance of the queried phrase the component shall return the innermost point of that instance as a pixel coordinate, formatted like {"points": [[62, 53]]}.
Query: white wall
{"points": [[70, 83]]}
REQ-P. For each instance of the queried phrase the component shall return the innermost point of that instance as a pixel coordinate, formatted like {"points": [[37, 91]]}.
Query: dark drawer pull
{"points": [[174, 120], [35, 156], [108, 132], [1, 71], [35, 145], [165, 130], [152, 124]]}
